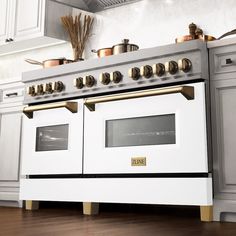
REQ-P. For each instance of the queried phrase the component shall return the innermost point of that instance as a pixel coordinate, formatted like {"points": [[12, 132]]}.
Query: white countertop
{"points": [[10, 80], [222, 42]]}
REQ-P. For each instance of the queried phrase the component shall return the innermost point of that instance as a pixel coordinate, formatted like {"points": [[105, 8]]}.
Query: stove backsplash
{"points": [[147, 23]]}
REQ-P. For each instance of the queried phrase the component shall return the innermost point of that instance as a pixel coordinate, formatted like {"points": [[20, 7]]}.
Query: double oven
{"points": [[151, 131], [83, 136]]}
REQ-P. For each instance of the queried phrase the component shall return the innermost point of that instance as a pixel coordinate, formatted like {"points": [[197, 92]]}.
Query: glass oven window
{"points": [[51, 138], [149, 130]]}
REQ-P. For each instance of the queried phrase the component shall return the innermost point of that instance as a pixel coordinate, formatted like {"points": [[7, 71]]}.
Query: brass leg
{"points": [[206, 213], [90, 208], [31, 205]]}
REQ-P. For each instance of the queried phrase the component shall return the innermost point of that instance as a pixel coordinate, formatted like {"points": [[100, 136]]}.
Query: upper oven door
{"points": [[165, 133], [52, 138]]}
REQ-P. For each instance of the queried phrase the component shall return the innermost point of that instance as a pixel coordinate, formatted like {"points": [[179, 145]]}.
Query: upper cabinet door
{"points": [[4, 20], [28, 19]]}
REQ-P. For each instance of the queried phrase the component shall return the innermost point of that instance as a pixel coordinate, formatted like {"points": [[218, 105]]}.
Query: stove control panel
{"points": [[138, 70]]}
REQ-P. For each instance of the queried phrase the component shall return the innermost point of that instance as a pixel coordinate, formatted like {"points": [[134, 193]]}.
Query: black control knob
{"points": [[185, 65], [58, 86], [78, 83], [39, 89], [89, 81], [146, 71], [105, 78], [31, 91], [116, 77], [159, 69], [48, 88], [171, 67], [134, 73]]}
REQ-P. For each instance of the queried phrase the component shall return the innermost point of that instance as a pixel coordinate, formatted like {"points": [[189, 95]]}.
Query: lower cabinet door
{"points": [[223, 103], [10, 133]]}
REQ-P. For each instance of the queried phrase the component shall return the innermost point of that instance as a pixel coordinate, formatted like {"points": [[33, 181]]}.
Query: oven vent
{"points": [[95, 5]]}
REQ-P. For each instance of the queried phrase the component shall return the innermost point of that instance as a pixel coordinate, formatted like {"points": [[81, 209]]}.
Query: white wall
{"points": [[147, 23]]}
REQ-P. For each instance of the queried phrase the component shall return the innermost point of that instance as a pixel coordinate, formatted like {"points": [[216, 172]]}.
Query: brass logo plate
{"points": [[138, 161]]}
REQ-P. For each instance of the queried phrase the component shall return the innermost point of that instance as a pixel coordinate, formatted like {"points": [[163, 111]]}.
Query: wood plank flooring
{"points": [[66, 219]]}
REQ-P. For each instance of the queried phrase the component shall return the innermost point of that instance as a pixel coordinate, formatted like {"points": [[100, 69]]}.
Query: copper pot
{"points": [[103, 52], [50, 62], [202, 36], [124, 47]]}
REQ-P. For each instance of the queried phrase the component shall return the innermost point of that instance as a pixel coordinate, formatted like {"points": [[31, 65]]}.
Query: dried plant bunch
{"points": [[79, 29]]}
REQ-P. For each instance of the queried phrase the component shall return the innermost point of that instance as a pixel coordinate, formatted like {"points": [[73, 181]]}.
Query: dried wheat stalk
{"points": [[79, 31]]}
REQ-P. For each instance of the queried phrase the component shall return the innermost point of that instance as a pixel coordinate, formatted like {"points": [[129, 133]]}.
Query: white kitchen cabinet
{"points": [[10, 144], [28, 24], [223, 112], [28, 20], [11, 96], [4, 20]]}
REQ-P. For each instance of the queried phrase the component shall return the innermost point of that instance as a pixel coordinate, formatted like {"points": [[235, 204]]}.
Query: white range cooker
{"points": [[129, 128]]}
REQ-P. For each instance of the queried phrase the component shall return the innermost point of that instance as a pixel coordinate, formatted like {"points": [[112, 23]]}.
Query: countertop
{"points": [[222, 42]]}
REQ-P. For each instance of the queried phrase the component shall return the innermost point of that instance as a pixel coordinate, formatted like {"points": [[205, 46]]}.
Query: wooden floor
{"points": [[114, 220]]}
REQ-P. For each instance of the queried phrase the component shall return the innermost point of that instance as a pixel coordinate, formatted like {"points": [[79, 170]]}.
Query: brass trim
{"points": [[31, 205], [186, 91], [90, 208], [71, 106], [206, 213], [138, 161]]}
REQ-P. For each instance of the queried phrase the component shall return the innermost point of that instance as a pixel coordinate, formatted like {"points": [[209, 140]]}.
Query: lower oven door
{"points": [[153, 131], [52, 138]]}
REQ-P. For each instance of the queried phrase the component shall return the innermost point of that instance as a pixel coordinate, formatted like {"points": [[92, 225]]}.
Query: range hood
{"points": [[94, 5]]}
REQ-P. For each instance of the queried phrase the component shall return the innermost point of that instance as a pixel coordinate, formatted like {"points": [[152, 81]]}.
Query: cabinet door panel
{"points": [[10, 131], [4, 20], [28, 19], [224, 136]]}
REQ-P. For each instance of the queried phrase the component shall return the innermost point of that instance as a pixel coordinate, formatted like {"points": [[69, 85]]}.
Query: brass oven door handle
{"points": [[71, 106], [186, 91]]}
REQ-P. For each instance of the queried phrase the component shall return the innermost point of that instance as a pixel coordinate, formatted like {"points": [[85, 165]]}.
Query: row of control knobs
{"points": [[160, 69], [135, 73], [47, 88], [105, 78], [146, 71]]}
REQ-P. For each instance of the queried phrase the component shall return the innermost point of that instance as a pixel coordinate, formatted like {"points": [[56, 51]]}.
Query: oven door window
{"points": [[139, 131], [51, 138]]}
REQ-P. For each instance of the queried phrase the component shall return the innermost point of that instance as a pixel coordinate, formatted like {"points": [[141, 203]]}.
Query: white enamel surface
{"points": [[53, 162], [189, 154], [181, 191]]}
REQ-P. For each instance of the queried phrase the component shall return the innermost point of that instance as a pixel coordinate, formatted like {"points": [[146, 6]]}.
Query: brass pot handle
{"points": [[71, 106], [186, 91]]}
